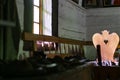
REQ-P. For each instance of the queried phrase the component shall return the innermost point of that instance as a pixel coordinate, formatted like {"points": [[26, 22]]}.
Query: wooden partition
{"points": [[61, 46]]}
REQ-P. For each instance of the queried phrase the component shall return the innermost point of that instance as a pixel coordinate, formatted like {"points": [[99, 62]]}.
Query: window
{"points": [[42, 23]]}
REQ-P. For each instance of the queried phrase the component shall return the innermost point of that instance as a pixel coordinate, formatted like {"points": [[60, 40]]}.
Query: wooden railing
{"points": [[60, 46]]}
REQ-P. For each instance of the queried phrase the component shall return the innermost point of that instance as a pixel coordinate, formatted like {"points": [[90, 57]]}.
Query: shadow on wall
{"points": [[90, 52]]}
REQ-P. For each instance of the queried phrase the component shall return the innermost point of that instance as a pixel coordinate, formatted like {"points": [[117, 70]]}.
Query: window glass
{"points": [[36, 14], [42, 17], [47, 5], [36, 2], [36, 28], [47, 26]]}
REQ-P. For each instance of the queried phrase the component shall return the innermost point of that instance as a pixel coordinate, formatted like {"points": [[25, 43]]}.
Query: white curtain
{"points": [[47, 17]]}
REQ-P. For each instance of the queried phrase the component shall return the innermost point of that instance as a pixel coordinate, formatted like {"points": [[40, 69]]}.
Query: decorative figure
{"points": [[108, 43]]}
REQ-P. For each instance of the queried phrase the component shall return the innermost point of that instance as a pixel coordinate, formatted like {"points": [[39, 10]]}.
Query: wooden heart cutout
{"points": [[108, 43]]}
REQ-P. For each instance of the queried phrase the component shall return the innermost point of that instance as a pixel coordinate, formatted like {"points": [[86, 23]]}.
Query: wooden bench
{"points": [[55, 45]]}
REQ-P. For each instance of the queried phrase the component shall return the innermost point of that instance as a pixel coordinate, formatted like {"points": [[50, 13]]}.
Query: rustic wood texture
{"points": [[64, 46]]}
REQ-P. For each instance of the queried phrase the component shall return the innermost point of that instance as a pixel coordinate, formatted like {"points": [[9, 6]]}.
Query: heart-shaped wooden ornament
{"points": [[108, 43]]}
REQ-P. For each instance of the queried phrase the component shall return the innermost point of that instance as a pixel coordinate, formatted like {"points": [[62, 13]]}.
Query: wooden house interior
{"points": [[52, 39]]}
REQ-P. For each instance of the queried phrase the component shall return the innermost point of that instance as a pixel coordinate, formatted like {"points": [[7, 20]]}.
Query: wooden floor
{"points": [[81, 72], [106, 73]]}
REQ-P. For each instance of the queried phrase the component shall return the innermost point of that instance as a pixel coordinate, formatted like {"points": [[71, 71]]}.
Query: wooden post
{"points": [[99, 55]]}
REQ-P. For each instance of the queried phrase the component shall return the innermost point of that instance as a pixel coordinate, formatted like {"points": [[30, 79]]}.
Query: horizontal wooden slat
{"points": [[51, 39], [69, 41], [87, 42], [34, 37]]}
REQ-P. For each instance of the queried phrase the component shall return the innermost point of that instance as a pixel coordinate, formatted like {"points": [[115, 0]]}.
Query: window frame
{"points": [[54, 19], [40, 16]]}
